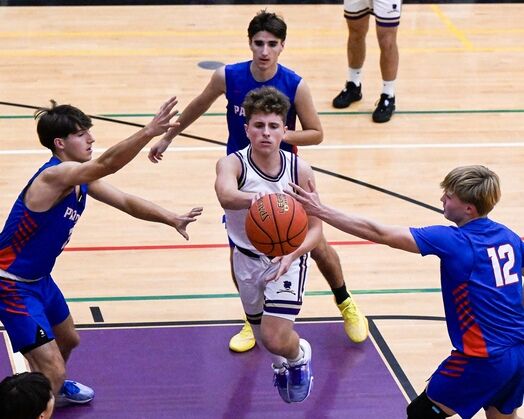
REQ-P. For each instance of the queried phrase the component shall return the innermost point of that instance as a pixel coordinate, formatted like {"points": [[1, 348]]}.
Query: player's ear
{"points": [[59, 143], [471, 210]]}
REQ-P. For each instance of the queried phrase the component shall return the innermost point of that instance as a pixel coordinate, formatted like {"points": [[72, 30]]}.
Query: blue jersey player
{"points": [[32, 308], [481, 280], [267, 36]]}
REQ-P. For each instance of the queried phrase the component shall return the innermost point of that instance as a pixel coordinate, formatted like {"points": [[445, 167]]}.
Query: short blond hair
{"points": [[475, 185]]}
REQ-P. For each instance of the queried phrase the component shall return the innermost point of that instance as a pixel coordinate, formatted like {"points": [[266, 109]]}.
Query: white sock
{"points": [[388, 88], [296, 360], [354, 75]]}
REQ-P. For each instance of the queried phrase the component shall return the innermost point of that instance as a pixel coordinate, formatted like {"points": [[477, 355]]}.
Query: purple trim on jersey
{"points": [[243, 174], [294, 168], [259, 172], [31, 241], [483, 318], [302, 276], [239, 81]]}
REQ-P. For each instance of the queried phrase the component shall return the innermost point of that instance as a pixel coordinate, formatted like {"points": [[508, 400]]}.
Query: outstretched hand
{"points": [[309, 200], [161, 122], [180, 222], [157, 151]]}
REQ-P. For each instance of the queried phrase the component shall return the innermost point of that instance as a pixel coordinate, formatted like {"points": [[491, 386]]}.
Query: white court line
{"points": [[18, 362], [316, 147]]}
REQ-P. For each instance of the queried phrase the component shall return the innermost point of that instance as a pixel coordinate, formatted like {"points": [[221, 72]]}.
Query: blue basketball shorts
{"points": [[467, 384], [30, 310]]}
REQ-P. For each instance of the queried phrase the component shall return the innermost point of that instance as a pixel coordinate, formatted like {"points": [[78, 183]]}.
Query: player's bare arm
{"points": [[305, 174], [142, 208], [311, 133], [314, 232], [55, 182], [226, 185], [393, 236], [196, 108]]}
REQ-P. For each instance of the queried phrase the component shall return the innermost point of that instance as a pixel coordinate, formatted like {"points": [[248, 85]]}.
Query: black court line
{"points": [[317, 169], [97, 314]]}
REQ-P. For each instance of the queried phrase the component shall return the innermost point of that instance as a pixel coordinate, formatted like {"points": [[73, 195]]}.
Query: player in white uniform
{"points": [[271, 290]]}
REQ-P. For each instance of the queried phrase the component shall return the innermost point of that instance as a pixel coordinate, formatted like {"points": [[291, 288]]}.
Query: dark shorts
{"points": [[467, 384], [30, 310]]}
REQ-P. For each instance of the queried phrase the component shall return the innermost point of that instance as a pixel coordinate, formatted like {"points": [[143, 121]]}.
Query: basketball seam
{"points": [[275, 221]]}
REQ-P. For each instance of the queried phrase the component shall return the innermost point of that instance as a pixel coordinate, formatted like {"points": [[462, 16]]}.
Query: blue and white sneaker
{"points": [[73, 392], [280, 379], [300, 376]]}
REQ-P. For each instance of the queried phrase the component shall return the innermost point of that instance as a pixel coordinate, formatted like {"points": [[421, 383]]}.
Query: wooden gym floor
{"points": [[459, 101]]}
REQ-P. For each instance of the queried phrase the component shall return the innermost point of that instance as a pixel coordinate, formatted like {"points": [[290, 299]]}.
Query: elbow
{"points": [[225, 203], [317, 139]]}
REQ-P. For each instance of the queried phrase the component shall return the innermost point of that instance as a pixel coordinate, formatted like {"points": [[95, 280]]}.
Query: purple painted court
{"points": [[188, 372]]}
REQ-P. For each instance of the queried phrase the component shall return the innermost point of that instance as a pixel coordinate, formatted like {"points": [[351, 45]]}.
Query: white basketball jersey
{"points": [[252, 179]]}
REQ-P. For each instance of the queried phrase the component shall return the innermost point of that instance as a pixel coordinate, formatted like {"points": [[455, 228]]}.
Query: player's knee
{"points": [[321, 251], [273, 343], [423, 408], [69, 341], [387, 41]]}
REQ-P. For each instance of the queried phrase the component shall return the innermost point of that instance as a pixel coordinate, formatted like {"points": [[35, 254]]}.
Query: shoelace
{"points": [[69, 388], [352, 310]]}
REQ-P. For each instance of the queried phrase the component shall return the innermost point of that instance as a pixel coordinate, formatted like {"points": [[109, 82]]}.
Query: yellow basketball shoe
{"points": [[244, 340], [355, 323]]}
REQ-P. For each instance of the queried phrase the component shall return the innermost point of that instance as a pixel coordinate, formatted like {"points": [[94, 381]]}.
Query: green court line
{"points": [[328, 113], [235, 295]]}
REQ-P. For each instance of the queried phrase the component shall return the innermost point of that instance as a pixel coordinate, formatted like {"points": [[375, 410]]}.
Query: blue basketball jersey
{"points": [[31, 241], [239, 81], [480, 264]]}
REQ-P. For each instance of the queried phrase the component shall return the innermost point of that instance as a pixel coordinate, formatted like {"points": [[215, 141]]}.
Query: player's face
{"points": [[454, 209], [266, 48], [265, 131], [78, 146]]}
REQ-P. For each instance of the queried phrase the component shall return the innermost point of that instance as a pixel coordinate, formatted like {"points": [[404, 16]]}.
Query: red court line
{"points": [[184, 246]]}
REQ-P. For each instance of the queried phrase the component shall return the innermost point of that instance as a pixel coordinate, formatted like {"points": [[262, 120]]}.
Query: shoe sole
{"points": [[348, 105], [241, 350], [68, 402]]}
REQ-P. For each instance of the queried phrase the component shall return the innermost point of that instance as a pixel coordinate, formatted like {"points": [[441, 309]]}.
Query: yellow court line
{"points": [[239, 34], [207, 53], [459, 34]]}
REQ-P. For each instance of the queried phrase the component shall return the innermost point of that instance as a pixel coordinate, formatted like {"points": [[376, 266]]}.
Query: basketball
{"points": [[276, 224]]}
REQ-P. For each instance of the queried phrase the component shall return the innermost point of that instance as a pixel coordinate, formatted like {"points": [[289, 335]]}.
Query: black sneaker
{"points": [[385, 108], [351, 93]]}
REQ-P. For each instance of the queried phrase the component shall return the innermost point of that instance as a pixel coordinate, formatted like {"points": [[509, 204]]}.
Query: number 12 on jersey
{"points": [[503, 276]]}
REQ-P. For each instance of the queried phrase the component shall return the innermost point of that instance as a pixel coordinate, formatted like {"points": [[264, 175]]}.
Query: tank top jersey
{"points": [[239, 81], [481, 264], [252, 179], [31, 241]]}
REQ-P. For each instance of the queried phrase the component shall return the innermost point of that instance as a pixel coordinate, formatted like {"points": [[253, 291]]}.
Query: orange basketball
{"points": [[276, 224]]}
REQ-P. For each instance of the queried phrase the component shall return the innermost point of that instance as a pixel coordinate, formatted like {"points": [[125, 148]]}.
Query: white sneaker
{"points": [[74, 392]]}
